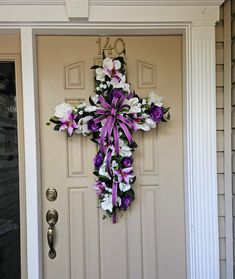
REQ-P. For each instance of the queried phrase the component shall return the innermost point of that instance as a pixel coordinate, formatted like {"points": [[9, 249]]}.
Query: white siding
{"points": [[220, 140]]}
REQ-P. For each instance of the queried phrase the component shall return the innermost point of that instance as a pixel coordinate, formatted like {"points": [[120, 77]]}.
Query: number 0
{"points": [[120, 42]]}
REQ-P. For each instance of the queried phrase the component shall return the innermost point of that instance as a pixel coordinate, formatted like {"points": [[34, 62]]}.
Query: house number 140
{"points": [[118, 46]]}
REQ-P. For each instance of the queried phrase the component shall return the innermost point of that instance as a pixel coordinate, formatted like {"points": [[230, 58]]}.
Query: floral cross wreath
{"points": [[111, 117]]}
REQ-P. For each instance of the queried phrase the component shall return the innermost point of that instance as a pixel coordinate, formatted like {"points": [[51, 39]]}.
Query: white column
{"points": [[31, 152], [201, 193]]}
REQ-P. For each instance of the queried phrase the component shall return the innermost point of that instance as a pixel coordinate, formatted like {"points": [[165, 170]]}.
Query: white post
{"points": [[201, 193], [31, 152]]}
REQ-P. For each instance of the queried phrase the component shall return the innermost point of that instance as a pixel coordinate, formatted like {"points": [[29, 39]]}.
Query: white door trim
{"points": [[199, 139]]}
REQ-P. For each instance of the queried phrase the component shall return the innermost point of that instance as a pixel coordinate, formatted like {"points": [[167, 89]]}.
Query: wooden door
{"points": [[149, 241]]}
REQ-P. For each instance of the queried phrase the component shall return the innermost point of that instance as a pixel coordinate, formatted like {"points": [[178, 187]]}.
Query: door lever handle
{"points": [[52, 218]]}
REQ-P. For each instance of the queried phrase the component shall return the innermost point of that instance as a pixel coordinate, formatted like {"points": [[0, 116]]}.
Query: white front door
{"points": [[149, 241]]}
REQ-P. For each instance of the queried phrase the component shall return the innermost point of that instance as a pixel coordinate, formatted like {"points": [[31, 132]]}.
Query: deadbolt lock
{"points": [[51, 194]]}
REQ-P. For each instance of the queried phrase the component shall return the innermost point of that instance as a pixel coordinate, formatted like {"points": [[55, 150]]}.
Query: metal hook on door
{"points": [[52, 218]]}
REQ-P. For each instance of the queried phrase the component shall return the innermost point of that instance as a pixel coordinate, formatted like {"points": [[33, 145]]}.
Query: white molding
{"points": [[156, 3], [77, 8], [201, 192], [50, 15], [171, 14], [31, 2], [119, 2], [32, 155]]}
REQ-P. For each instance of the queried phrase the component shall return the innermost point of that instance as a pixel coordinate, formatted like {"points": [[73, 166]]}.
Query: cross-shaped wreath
{"points": [[113, 114]]}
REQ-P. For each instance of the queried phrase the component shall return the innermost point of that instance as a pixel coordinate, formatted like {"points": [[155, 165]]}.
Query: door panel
{"points": [[149, 241]]}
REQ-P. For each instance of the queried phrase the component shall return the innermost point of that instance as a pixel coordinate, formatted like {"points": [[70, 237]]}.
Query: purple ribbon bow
{"points": [[114, 119]]}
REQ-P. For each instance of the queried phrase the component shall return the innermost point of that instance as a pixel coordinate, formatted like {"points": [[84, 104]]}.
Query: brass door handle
{"points": [[52, 218]]}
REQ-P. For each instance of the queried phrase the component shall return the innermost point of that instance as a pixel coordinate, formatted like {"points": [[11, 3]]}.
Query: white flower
{"points": [[155, 99], [103, 172], [144, 102], [108, 63], [82, 125], [143, 126], [126, 87], [61, 111], [107, 203], [103, 86], [124, 150], [82, 105], [117, 64], [100, 74], [95, 98], [134, 104], [147, 124], [151, 123], [90, 108], [124, 187]]}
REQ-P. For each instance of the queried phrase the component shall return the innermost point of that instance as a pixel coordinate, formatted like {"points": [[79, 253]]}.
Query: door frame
{"points": [[199, 126]]}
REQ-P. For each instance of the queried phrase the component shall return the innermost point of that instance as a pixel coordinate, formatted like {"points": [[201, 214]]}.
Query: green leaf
{"points": [[104, 178], [96, 173], [133, 145], [133, 180], [57, 128], [95, 67], [121, 59], [165, 110], [91, 101]]}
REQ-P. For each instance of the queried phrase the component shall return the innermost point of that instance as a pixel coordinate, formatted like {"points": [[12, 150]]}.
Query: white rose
{"points": [[155, 99], [61, 111]]}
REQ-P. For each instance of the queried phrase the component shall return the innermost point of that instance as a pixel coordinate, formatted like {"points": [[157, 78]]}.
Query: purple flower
{"points": [[98, 160], [124, 175], [100, 187], [127, 161], [117, 93], [156, 113], [69, 123], [126, 202], [92, 126]]}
